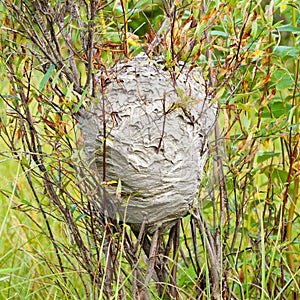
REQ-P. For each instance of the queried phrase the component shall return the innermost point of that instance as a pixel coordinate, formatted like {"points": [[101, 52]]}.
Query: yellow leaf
{"points": [[220, 48], [266, 143], [282, 7], [219, 93], [256, 53], [107, 183]]}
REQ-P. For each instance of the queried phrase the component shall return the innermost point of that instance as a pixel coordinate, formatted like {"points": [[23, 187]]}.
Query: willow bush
{"points": [[241, 241]]}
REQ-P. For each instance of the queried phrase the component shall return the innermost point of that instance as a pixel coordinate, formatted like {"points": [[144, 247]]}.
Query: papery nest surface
{"points": [[156, 124]]}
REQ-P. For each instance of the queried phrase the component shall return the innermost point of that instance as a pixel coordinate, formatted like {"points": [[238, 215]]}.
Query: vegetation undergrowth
{"points": [[241, 242]]}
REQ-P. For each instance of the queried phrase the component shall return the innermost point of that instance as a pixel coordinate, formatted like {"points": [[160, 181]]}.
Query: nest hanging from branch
{"points": [[152, 134]]}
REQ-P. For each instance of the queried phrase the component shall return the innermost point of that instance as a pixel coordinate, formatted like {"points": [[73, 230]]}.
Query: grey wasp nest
{"points": [[157, 127]]}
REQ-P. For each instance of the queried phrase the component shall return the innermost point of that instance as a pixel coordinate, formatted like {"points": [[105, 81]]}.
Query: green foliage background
{"points": [[249, 52]]}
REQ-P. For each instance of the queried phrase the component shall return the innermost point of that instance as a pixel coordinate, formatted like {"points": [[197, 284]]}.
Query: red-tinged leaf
{"points": [[19, 133], [51, 124], [151, 34], [40, 108], [266, 80]]}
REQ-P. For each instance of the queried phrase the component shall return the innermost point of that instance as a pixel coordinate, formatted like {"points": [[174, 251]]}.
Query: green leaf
{"points": [[9, 270], [291, 113], [73, 208], [55, 78], [280, 175], [80, 217], [76, 108], [46, 77], [143, 4], [283, 79], [4, 278], [277, 109], [3, 115], [219, 93], [254, 28], [266, 155], [283, 51], [69, 90], [218, 33], [288, 28]]}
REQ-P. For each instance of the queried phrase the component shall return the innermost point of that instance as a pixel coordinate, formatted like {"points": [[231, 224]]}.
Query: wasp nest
{"points": [[156, 124]]}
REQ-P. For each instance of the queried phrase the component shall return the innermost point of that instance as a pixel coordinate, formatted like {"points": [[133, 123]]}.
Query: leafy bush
{"points": [[243, 242]]}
